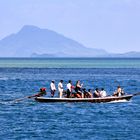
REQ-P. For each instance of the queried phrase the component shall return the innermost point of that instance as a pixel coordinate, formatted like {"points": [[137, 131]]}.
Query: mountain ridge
{"points": [[32, 41]]}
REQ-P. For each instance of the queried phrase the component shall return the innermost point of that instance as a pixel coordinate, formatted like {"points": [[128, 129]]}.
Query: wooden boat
{"points": [[92, 100]]}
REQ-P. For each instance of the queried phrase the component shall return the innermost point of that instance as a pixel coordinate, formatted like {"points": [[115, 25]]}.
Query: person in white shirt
{"points": [[60, 88], [69, 88], [103, 93], [52, 88]]}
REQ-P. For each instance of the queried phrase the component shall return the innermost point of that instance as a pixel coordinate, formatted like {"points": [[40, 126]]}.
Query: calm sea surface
{"points": [[28, 119]]}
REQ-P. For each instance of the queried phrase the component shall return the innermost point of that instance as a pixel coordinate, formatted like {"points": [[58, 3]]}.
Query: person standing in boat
{"points": [[60, 88], [118, 92], [69, 88], [103, 93], [78, 89], [52, 88]]}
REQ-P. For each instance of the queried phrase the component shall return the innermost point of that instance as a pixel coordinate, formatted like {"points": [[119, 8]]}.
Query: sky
{"points": [[113, 25]]}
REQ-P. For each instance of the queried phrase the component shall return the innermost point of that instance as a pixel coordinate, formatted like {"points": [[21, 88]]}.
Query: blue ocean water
{"points": [[28, 119]]}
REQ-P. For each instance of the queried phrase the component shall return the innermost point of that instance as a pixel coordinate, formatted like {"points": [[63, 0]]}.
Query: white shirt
{"points": [[69, 87], [60, 87], [119, 94], [103, 93], [52, 86]]}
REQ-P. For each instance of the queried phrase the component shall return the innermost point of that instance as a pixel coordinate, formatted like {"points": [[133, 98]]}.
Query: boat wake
{"points": [[119, 101], [4, 103], [7, 102]]}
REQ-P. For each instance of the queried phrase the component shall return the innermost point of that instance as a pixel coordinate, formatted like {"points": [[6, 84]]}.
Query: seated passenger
{"points": [[118, 92], [103, 93], [86, 95], [96, 93], [90, 93]]}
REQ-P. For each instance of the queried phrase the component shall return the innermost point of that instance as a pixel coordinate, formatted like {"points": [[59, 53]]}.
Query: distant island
{"points": [[32, 41]]}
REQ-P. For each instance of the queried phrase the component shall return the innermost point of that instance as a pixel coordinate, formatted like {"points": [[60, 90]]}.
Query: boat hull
{"points": [[92, 100]]}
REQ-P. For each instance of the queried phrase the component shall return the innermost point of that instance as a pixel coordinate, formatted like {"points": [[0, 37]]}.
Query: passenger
{"points": [[42, 92], [103, 93], [78, 89], [96, 93], [73, 94], [87, 94], [52, 88], [60, 88], [118, 92], [69, 88], [90, 93]]}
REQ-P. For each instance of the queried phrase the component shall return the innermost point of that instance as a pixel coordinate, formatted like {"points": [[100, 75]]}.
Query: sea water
{"points": [[70, 62], [28, 119]]}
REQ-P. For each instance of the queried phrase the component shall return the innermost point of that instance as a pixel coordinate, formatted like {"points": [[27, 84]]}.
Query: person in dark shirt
{"points": [[119, 92], [96, 93], [78, 89]]}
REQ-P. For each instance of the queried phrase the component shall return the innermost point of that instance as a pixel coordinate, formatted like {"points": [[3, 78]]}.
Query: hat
{"points": [[43, 89]]}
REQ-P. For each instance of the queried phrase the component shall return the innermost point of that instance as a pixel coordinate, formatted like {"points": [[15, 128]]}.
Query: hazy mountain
{"points": [[132, 54], [33, 41]]}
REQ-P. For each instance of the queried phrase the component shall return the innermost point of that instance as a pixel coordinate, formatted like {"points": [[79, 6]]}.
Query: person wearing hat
{"points": [[52, 88], [60, 88]]}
